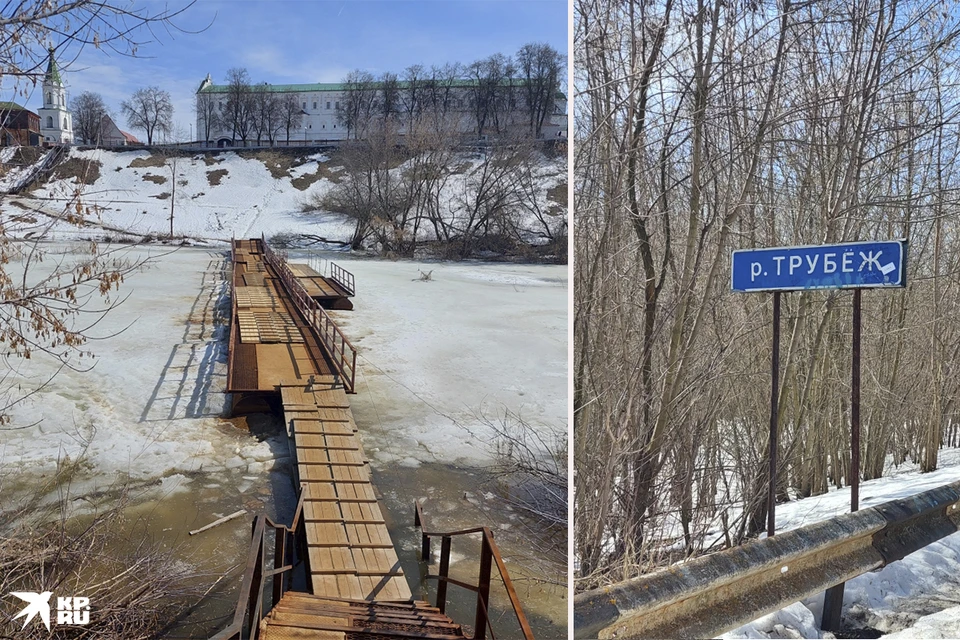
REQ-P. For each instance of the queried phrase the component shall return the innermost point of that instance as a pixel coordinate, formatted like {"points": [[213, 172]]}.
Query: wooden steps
{"points": [[307, 616]]}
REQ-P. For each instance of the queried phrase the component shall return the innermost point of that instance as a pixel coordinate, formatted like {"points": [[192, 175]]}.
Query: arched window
{"points": [[49, 122], [49, 98], [65, 125]]}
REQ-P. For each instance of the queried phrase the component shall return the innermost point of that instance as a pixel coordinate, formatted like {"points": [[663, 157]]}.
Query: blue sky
{"points": [[290, 41]]}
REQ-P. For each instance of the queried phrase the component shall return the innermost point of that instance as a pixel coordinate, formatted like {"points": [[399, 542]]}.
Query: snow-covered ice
{"points": [[439, 359], [436, 359]]}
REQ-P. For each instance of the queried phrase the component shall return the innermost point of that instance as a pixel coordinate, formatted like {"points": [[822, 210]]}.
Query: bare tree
{"points": [[89, 112], [411, 96], [705, 128], [238, 112], [26, 29], [440, 97], [208, 115], [541, 69], [265, 114], [290, 114], [150, 109], [359, 103], [50, 306], [389, 102], [489, 78]]}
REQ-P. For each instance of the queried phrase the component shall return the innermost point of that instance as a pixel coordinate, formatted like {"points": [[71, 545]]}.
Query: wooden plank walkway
{"points": [[350, 553], [270, 343]]}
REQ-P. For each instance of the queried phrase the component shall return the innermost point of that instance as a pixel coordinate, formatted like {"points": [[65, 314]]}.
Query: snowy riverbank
{"points": [[893, 599]]}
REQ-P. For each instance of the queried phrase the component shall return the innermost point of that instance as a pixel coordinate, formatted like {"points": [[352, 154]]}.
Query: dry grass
{"points": [[26, 155], [149, 161], [85, 171], [210, 160], [325, 171], [149, 177], [134, 589], [277, 163], [558, 197], [162, 196], [558, 194], [214, 177]]}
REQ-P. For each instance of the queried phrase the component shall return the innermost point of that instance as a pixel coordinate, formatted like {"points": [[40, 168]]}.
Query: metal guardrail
{"points": [[489, 553], [342, 353], [712, 594], [251, 606], [343, 278]]}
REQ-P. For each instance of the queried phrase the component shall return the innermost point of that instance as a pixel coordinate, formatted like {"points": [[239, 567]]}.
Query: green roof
{"points": [[52, 72], [334, 86], [11, 106]]}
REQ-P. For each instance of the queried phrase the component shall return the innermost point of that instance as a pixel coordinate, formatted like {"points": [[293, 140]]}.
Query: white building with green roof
{"points": [[56, 123], [321, 106]]}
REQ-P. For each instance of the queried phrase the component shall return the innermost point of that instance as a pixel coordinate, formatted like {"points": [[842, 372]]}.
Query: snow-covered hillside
{"points": [[233, 194]]}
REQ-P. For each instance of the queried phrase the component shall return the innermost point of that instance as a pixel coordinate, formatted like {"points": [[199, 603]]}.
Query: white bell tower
{"points": [[56, 123]]}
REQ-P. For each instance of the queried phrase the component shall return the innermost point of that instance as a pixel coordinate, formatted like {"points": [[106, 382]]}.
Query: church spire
{"points": [[53, 74]]}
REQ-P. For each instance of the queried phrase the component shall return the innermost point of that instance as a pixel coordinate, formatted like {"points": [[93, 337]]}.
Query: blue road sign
{"points": [[850, 265]]}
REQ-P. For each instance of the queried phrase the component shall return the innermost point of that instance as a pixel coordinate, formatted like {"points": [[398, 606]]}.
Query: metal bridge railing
{"points": [[343, 278], [342, 353], [489, 554], [710, 595], [251, 604]]}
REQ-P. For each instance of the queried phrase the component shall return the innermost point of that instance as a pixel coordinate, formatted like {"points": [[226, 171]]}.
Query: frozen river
{"points": [[439, 361]]}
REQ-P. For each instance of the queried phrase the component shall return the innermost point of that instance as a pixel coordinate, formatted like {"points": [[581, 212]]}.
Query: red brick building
{"points": [[18, 126]]}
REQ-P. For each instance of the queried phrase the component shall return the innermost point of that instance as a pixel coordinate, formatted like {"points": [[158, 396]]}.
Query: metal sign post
{"points": [[854, 265], [774, 410]]}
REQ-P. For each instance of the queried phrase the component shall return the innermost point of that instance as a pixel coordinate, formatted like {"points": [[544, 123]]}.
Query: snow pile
{"points": [[896, 596]]}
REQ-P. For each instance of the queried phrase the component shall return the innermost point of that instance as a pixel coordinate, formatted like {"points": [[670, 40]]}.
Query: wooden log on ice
{"points": [[220, 521]]}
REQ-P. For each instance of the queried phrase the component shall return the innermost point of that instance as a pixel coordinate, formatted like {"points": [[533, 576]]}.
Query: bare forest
{"points": [[707, 126]]}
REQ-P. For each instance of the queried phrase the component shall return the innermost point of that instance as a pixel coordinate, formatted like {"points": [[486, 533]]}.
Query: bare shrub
{"points": [[134, 592]]}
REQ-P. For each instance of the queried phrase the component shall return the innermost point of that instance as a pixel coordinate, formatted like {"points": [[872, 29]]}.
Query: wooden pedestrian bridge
{"points": [[286, 354]]}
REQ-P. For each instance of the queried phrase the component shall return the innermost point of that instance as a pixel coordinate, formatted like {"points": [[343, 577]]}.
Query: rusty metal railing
{"points": [[710, 595], [342, 353], [251, 602], [232, 338], [343, 278], [489, 554]]}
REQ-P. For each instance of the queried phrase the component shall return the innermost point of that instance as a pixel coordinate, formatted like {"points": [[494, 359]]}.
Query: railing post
{"points": [[256, 591], [483, 584], [444, 571], [279, 555], [424, 538]]}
